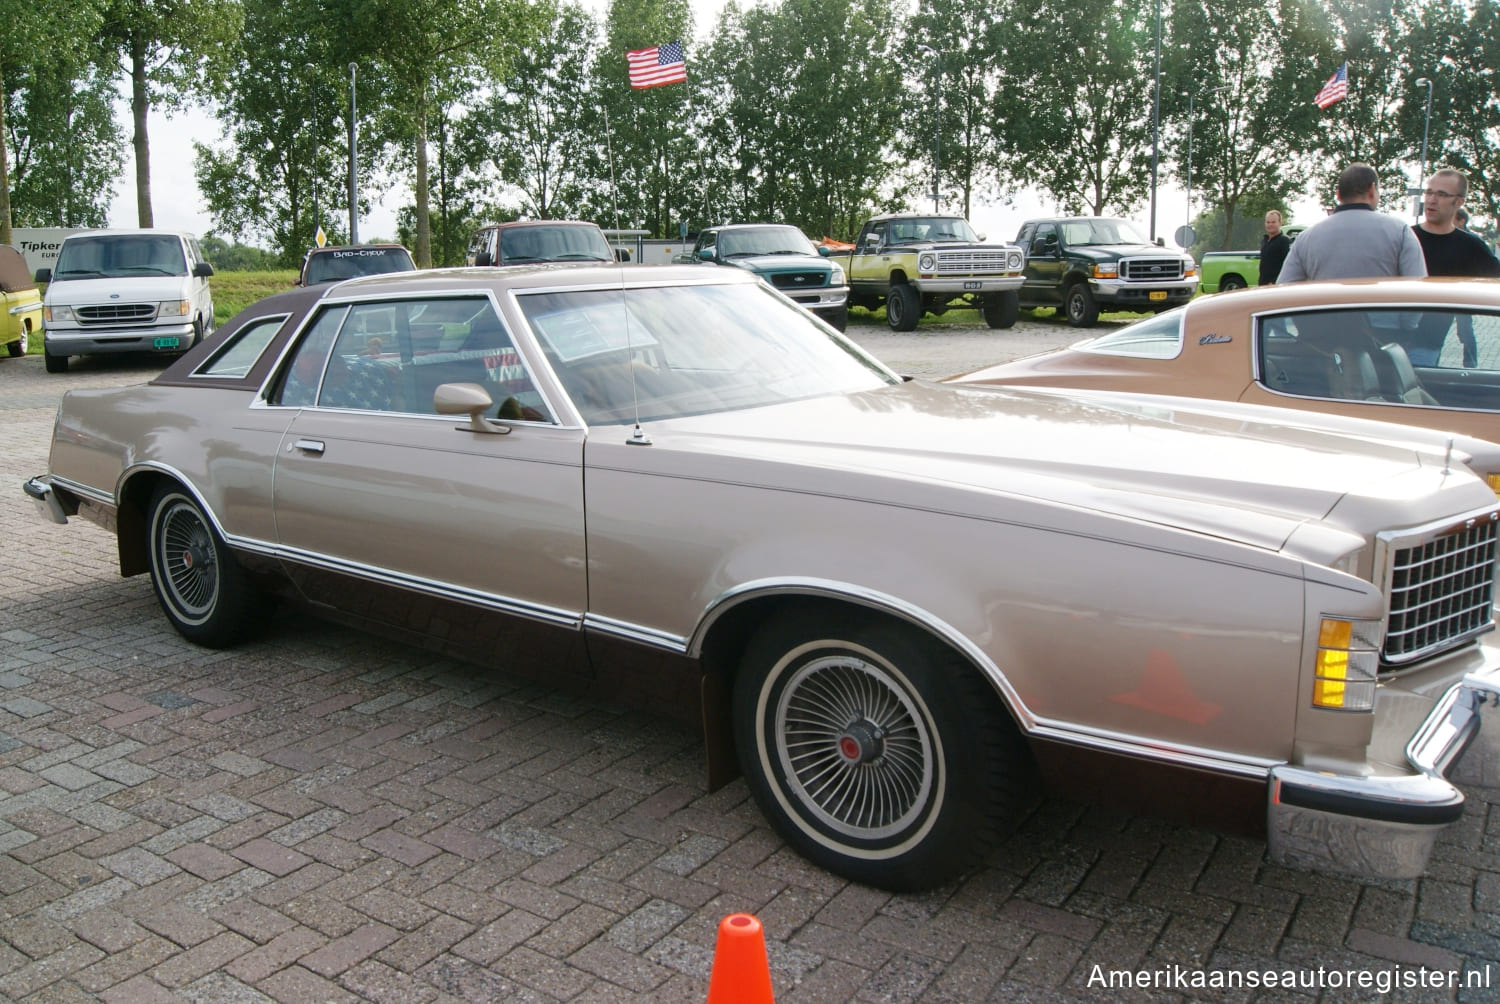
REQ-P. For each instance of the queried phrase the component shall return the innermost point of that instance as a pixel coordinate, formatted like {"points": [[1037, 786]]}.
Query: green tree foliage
{"points": [[1253, 72], [1366, 126], [261, 184], [532, 129], [1086, 66], [169, 52], [803, 105], [227, 257], [30, 31], [67, 149]]}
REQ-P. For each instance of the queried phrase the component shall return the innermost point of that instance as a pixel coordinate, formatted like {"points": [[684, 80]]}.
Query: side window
{"points": [[1424, 357], [1047, 234], [243, 348], [1157, 337], [298, 387], [873, 239]]}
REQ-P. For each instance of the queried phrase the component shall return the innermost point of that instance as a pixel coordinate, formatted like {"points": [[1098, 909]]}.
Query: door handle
{"points": [[306, 446]]}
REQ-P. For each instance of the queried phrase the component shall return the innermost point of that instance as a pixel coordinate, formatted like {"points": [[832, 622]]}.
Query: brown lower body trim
{"points": [[1175, 792]]}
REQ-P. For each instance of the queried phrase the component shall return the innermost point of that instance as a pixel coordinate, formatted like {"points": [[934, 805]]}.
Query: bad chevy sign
{"points": [[38, 245]]}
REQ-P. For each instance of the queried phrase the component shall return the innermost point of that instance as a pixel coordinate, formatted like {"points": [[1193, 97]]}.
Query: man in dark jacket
{"points": [[1449, 250], [1273, 248]]}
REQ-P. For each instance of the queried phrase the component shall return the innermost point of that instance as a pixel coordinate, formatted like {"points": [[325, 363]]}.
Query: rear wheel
{"points": [[18, 347], [1081, 307], [1231, 282], [903, 308], [874, 750], [202, 589], [1002, 309]]}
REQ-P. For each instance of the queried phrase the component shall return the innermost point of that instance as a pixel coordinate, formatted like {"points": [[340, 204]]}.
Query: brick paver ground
{"points": [[319, 816]]}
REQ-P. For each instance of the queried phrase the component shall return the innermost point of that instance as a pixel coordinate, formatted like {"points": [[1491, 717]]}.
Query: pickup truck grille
{"points": [[109, 313], [1440, 586], [1146, 269], [978, 261], [799, 280]]}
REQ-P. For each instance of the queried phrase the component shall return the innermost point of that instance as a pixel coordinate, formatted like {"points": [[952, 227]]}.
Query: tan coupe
{"points": [[887, 602], [1416, 351]]}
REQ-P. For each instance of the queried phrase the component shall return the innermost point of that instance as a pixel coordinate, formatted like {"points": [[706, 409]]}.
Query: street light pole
{"points": [[312, 83], [937, 120], [353, 162], [1155, 119], [1426, 122]]}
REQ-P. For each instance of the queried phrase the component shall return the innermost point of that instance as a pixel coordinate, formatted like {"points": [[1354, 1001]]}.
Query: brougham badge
{"points": [[1215, 339]]}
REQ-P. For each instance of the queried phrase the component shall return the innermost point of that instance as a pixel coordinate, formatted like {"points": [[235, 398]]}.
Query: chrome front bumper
{"points": [[1380, 826]]}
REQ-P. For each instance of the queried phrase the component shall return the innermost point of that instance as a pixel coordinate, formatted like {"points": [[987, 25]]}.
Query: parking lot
{"points": [[322, 816]]}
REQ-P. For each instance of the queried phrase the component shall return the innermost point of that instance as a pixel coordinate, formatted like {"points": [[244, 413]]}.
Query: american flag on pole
{"points": [[660, 64], [1336, 89]]}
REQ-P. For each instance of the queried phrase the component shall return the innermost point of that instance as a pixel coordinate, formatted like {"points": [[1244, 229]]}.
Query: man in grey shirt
{"points": [[1355, 241]]}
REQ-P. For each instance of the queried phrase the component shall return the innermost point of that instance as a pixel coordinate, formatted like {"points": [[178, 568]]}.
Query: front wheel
{"points": [[1002, 309], [903, 308], [874, 751], [1081, 307], [202, 589]]}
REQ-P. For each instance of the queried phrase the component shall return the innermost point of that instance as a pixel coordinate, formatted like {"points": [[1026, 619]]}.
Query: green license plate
{"points": [[164, 343]]}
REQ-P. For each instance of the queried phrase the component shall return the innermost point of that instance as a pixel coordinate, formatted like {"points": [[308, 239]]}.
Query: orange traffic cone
{"points": [[741, 974]]}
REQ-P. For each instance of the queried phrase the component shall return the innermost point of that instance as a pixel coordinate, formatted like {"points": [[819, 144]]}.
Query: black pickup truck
{"points": [[1082, 264]]}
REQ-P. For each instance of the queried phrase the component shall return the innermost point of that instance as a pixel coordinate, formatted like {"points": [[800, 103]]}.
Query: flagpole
{"points": [[614, 202]]}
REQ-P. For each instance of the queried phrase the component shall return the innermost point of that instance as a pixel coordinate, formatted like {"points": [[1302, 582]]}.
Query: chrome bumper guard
{"points": [[1380, 826], [39, 491]]}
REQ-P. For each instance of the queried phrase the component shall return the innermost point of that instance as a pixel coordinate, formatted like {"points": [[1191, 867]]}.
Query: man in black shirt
{"points": [[1273, 248], [1448, 250]]}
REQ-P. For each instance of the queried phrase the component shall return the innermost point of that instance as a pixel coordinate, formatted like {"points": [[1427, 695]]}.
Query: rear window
{"points": [[1158, 337], [110, 256], [347, 263]]}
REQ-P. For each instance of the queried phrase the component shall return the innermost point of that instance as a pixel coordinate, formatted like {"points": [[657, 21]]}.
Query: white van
{"points": [[125, 291]]}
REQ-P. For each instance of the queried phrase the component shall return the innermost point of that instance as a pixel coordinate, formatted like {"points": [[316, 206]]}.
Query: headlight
{"points": [[174, 308], [927, 262], [1013, 260], [835, 276], [58, 313], [1347, 666], [1108, 271], [1493, 480], [1190, 269]]}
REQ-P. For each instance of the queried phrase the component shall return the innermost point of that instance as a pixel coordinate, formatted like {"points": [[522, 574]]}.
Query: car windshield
{"points": [[670, 351], [519, 245], [113, 255], [1102, 230], [336, 264], [912, 229], [764, 240]]}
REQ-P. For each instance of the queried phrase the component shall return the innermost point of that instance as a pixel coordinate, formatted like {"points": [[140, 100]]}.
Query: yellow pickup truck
{"points": [[20, 300], [921, 263]]}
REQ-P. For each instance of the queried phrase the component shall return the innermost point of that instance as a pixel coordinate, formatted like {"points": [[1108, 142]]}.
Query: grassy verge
{"points": [[234, 291]]}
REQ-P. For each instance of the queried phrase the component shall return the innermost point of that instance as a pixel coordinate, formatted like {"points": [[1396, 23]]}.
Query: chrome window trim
{"points": [[1257, 373]]}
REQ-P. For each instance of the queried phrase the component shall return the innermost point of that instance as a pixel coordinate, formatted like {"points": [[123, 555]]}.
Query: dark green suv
{"points": [[782, 256]]}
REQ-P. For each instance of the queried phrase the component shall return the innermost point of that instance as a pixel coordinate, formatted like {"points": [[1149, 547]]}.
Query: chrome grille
{"points": [[798, 280], [1440, 586], [1150, 268], [105, 313], [976, 261]]}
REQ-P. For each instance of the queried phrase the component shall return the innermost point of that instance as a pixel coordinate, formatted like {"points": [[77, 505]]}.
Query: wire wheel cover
{"points": [[188, 561], [855, 746]]}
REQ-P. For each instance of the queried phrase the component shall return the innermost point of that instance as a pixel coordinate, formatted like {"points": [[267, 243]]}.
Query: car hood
{"points": [[1235, 475], [765, 263], [117, 289], [1110, 252]]}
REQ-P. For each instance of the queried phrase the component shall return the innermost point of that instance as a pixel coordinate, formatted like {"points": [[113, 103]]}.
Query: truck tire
{"points": [[1080, 306], [17, 348], [1001, 309], [903, 308], [1231, 282]]}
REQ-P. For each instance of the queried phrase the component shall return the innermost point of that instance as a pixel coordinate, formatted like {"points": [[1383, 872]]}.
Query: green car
{"points": [[21, 301], [1222, 271], [784, 258]]}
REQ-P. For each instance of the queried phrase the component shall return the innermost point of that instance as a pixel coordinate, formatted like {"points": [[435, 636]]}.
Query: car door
{"points": [[868, 273], [1044, 266], [385, 510]]}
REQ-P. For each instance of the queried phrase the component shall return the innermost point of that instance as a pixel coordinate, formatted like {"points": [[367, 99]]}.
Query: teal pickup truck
{"points": [[1222, 271]]}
